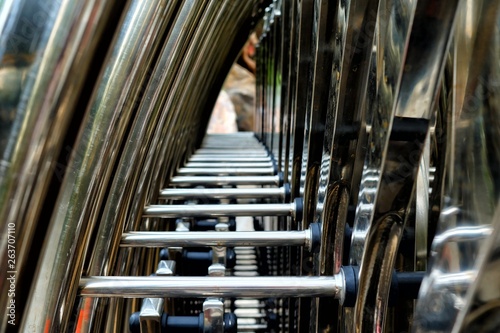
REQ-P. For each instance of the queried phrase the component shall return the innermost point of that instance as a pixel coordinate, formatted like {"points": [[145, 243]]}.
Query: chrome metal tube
{"points": [[223, 144], [230, 159], [201, 287], [233, 147], [252, 327], [223, 153], [222, 164], [228, 180], [223, 193], [227, 171], [174, 211], [153, 239]]}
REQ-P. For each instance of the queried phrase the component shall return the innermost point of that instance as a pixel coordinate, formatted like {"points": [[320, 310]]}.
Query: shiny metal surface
{"points": [[183, 286], [213, 316], [152, 308], [173, 211], [165, 268], [111, 103], [150, 315], [221, 164], [391, 141], [343, 141], [223, 193], [194, 19], [46, 50], [231, 238], [407, 89], [226, 171], [228, 159], [224, 180], [229, 153], [467, 232], [422, 193]]}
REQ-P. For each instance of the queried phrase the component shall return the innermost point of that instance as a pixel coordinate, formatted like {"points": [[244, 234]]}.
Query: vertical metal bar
{"points": [[472, 200], [398, 102]]}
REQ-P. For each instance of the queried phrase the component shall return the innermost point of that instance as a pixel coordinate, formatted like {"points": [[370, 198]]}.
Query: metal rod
{"points": [[222, 164], [154, 239], [252, 327], [243, 146], [223, 193], [225, 180], [174, 211], [201, 287], [222, 154], [227, 171], [219, 158], [240, 145]]}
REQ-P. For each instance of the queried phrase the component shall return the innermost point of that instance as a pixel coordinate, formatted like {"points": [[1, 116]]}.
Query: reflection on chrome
{"points": [[367, 198]]}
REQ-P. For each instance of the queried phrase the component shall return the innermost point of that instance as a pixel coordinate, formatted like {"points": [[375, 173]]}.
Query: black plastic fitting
{"points": [[288, 192], [404, 285], [275, 166], [281, 179], [208, 225], [299, 209], [183, 324], [196, 263], [315, 237]]}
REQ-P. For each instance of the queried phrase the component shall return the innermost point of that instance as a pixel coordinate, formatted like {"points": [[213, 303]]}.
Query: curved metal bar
{"points": [[105, 122], [47, 48], [406, 93], [187, 54], [188, 14], [422, 188], [374, 280], [351, 61], [471, 194]]}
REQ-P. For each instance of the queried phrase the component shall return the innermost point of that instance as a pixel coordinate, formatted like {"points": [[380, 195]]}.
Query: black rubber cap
{"points": [[394, 290], [404, 285], [275, 167], [288, 192], [134, 323], [230, 258], [351, 285], [208, 225], [196, 263], [181, 324], [299, 209], [230, 323], [315, 237], [281, 179], [164, 254], [409, 284]]}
